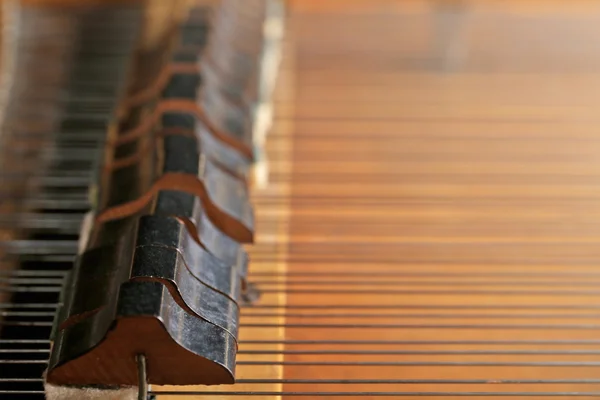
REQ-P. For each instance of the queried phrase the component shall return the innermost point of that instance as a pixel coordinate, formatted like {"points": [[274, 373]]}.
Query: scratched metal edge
{"points": [[277, 234]]}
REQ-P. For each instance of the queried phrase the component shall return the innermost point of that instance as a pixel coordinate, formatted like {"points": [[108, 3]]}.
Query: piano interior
{"points": [[241, 199]]}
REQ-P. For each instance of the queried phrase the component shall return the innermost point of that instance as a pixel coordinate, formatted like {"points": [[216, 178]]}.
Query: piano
{"points": [[300, 199]]}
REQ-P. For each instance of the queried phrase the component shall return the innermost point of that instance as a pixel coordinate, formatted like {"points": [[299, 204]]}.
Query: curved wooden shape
{"points": [[235, 229], [188, 209], [223, 156], [228, 116], [185, 106], [156, 248], [102, 349], [169, 233], [216, 242], [153, 91], [91, 290], [224, 198], [187, 285], [217, 151]]}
